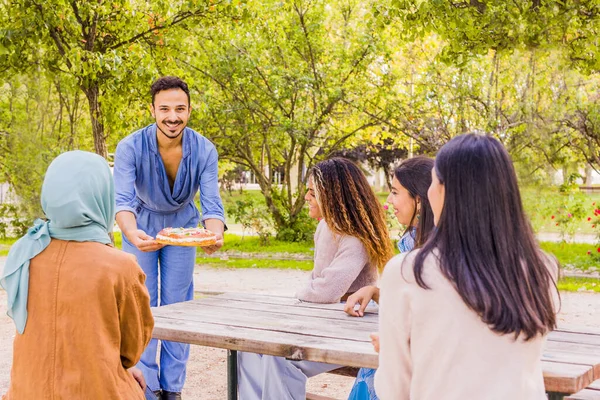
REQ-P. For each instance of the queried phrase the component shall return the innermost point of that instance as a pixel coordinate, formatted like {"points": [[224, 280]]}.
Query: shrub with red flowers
{"points": [[594, 220], [568, 215]]}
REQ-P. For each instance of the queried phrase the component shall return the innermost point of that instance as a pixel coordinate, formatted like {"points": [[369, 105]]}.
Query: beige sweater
{"points": [[341, 266], [433, 347]]}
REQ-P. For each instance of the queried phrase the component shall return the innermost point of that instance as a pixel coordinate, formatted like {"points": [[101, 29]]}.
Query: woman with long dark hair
{"points": [[466, 316], [351, 244], [408, 197]]}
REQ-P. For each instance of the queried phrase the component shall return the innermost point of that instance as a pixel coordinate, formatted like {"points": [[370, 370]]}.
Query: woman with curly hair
{"points": [[351, 244]]}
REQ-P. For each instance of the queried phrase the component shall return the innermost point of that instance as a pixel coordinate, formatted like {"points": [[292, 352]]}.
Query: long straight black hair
{"points": [[486, 245], [414, 175]]}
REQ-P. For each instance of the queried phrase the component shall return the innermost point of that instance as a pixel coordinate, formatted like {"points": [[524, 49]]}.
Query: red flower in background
{"points": [[553, 217], [589, 253], [589, 218], [598, 249]]}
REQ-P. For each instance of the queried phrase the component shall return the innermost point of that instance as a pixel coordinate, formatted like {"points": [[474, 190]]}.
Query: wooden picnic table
{"points": [[284, 326]]}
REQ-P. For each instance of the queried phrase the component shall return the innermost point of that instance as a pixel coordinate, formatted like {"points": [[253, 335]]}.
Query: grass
{"points": [[572, 254], [251, 244], [255, 263], [541, 203], [569, 284]]}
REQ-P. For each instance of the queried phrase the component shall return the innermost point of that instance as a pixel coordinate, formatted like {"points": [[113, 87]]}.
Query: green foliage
{"points": [[37, 122], [110, 51], [279, 86], [282, 88], [474, 27], [301, 230], [253, 216], [12, 224]]}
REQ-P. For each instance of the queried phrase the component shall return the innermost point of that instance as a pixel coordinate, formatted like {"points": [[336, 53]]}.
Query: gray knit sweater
{"points": [[341, 266]]}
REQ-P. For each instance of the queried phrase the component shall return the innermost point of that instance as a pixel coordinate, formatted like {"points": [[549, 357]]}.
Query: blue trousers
{"points": [[175, 266]]}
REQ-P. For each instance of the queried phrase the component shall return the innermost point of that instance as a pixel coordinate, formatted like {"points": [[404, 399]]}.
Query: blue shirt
{"points": [[142, 186], [408, 241]]}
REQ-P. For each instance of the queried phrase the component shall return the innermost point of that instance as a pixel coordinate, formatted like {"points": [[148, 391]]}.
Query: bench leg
{"points": [[232, 383], [556, 396]]}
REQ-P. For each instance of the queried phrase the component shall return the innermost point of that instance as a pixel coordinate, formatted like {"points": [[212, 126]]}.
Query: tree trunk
{"points": [[589, 175], [92, 93]]}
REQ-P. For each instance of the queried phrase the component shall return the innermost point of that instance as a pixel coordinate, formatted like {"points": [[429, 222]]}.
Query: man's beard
{"points": [[169, 134]]}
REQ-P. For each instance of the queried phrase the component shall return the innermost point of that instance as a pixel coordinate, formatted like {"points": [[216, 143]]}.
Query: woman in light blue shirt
{"points": [[408, 198]]}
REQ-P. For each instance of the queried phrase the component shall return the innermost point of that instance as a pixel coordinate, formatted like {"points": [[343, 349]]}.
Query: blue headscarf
{"points": [[78, 198]]}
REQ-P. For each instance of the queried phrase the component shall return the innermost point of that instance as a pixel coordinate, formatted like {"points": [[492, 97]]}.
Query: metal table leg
{"points": [[232, 382], [556, 395]]}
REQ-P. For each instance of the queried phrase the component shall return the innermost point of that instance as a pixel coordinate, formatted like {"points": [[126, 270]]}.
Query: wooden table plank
{"points": [[566, 378], [261, 298], [579, 329], [351, 329], [574, 354], [292, 309], [595, 385], [585, 395], [289, 345], [574, 337]]}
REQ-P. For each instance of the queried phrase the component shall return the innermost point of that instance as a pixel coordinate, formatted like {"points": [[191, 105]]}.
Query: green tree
{"points": [[107, 48], [282, 87], [475, 26]]}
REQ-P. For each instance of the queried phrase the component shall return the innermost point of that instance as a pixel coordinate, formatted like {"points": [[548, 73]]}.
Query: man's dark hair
{"points": [[169, 82]]}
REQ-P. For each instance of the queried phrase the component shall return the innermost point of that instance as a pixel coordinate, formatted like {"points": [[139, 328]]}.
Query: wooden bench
{"points": [[344, 371], [591, 392], [589, 189]]}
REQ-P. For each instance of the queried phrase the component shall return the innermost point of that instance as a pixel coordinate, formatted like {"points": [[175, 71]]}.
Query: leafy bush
{"points": [[302, 230], [12, 222], [254, 217]]}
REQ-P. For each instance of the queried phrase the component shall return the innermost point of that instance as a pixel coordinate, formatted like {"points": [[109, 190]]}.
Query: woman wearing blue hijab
{"points": [[81, 308]]}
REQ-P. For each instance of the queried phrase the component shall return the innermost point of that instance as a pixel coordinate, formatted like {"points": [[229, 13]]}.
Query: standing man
{"points": [[158, 171]]}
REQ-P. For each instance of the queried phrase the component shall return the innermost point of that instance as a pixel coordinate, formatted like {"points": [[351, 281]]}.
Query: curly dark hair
{"points": [[166, 83], [350, 207]]}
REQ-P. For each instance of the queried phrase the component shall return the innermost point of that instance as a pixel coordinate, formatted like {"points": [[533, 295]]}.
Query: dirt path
{"points": [[207, 367]]}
